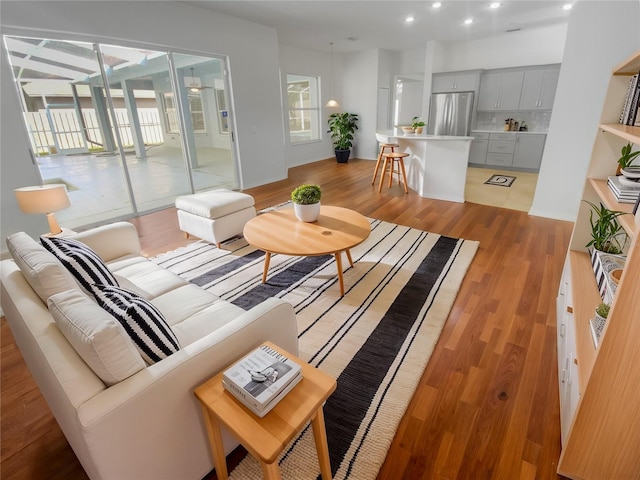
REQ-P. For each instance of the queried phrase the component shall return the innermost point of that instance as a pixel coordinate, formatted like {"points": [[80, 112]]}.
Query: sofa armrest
{"points": [[160, 403], [112, 241]]}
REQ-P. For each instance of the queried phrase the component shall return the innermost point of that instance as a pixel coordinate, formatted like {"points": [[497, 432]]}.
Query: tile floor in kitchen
{"points": [[519, 196]]}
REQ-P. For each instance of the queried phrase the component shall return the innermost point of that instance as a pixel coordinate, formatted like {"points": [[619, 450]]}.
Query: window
{"points": [[223, 116], [170, 113], [304, 109], [196, 108]]}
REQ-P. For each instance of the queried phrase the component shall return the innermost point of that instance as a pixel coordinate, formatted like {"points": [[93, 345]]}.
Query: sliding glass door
{"points": [[127, 129], [207, 120]]}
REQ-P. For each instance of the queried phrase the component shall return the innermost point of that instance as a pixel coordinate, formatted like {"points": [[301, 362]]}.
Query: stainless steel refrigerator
{"points": [[450, 113]]}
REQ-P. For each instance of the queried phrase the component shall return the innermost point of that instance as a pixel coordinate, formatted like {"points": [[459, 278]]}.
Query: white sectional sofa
{"points": [[149, 425]]}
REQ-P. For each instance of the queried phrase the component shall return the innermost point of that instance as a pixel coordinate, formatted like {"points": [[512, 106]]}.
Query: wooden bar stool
{"points": [[383, 147], [392, 158]]}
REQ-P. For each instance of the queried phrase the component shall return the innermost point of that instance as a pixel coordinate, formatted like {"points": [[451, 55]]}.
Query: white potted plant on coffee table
{"points": [[306, 202]]}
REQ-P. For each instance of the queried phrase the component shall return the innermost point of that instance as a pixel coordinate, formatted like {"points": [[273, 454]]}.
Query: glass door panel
{"points": [[207, 121], [61, 114], [139, 81]]}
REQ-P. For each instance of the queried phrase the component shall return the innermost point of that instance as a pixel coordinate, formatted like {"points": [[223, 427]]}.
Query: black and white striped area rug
{"points": [[376, 340]]}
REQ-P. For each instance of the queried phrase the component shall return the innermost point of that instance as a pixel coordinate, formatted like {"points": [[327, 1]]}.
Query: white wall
{"points": [[535, 46], [360, 87], [252, 49], [600, 36], [411, 61]]}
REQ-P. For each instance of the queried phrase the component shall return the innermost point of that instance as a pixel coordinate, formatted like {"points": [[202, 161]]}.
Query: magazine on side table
{"points": [[261, 379]]}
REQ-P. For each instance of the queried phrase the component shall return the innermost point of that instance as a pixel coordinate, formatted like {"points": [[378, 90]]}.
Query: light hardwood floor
{"points": [[487, 404]]}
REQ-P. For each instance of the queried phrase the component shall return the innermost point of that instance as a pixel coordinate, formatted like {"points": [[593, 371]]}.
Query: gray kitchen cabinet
{"points": [[500, 149], [454, 82], [478, 150], [500, 90], [528, 151], [499, 159], [539, 89]]}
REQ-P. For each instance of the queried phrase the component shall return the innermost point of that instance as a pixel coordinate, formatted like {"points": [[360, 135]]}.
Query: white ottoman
{"points": [[216, 215]]}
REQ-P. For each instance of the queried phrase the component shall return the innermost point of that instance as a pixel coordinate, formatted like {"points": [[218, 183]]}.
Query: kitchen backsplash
{"points": [[537, 121]]}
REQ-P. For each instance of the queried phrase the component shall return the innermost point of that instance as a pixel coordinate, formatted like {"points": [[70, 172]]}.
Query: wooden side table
{"points": [[266, 437]]}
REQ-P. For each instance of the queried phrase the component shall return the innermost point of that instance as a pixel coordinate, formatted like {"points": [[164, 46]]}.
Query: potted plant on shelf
{"points": [[598, 322], [607, 235], [626, 158], [417, 124], [306, 202], [607, 238], [342, 126], [602, 310]]}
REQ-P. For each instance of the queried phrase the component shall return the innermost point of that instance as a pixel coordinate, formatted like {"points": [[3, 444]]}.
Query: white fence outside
{"points": [[69, 132]]}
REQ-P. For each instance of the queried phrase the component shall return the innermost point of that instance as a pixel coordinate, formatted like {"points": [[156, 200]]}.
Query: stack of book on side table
{"points": [[261, 379], [625, 190]]}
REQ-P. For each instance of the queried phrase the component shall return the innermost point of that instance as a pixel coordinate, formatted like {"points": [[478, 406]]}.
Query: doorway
{"points": [[126, 129]]}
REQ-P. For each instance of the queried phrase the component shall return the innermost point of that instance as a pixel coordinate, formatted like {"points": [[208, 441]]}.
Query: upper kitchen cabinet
{"points": [[539, 89], [454, 82], [500, 90]]}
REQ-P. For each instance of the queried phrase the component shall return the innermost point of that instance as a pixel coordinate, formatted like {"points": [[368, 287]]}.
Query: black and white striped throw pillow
{"points": [[85, 264], [144, 323]]}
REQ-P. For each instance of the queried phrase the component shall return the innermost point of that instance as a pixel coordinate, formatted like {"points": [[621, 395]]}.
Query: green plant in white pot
{"points": [[626, 158], [607, 235], [417, 124], [306, 202], [342, 126]]}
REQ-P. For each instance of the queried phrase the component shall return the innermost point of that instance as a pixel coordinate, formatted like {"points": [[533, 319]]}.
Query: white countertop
{"points": [[398, 133], [502, 131]]}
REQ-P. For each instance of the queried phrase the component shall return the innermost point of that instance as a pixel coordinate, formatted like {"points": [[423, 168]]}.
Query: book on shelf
{"points": [[629, 114], [627, 99], [261, 379], [623, 193]]}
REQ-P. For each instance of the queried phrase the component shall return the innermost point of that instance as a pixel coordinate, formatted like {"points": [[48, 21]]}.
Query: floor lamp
{"points": [[45, 199]]}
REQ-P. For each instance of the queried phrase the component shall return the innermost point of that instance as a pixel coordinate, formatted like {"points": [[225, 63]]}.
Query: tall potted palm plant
{"points": [[342, 126]]}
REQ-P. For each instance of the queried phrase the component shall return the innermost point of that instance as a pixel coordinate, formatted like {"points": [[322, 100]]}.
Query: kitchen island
{"points": [[436, 165]]}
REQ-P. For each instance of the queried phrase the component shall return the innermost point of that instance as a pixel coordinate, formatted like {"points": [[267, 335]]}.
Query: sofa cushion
{"points": [[193, 313], [147, 276], [142, 321], [85, 264], [96, 336], [44, 272]]}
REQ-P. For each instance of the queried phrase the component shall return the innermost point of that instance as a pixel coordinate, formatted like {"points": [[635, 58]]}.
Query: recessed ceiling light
{"points": [[468, 21], [409, 19], [495, 5], [567, 6], [437, 5]]}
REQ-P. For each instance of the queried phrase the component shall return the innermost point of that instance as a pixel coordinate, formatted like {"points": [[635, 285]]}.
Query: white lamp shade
{"points": [[42, 199]]}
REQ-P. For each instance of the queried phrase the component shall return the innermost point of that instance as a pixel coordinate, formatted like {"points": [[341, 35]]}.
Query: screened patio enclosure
{"points": [[126, 129]]}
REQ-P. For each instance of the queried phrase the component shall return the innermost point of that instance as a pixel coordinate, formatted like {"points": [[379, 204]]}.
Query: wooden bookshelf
{"points": [[630, 66], [601, 430], [585, 299], [628, 132]]}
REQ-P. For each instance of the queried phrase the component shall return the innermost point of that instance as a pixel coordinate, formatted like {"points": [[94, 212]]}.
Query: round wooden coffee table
{"points": [[337, 230]]}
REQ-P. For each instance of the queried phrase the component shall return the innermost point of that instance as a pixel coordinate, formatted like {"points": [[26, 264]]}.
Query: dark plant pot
{"points": [[342, 156]]}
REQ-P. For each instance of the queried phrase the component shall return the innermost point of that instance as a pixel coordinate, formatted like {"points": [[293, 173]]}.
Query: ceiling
{"points": [[362, 24]]}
